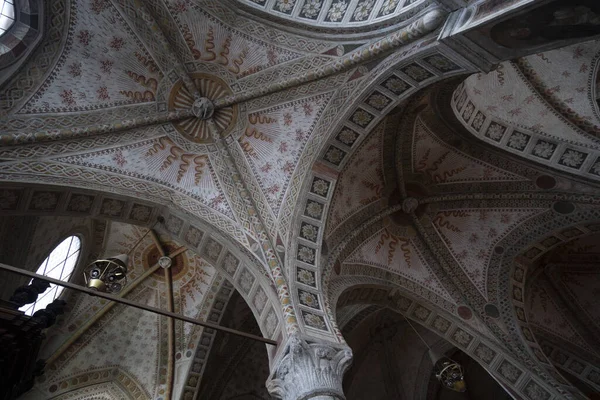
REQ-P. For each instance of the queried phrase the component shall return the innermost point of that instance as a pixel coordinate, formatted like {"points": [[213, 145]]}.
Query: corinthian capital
{"points": [[309, 370]]}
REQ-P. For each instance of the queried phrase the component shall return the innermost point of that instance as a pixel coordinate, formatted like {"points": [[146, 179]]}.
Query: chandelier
{"points": [[448, 372], [110, 274], [107, 275]]}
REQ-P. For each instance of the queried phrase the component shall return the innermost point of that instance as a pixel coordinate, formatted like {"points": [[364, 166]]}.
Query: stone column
{"points": [[309, 370]]}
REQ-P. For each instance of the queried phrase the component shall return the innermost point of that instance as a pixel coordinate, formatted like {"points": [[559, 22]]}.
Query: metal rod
{"points": [[125, 301], [157, 243], [171, 333], [107, 307]]}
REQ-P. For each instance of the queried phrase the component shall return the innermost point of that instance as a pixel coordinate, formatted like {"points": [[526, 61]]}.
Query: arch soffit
{"points": [[238, 264], [576, 154], [363, 223], [511, 271], [333, 21], [550, 198], [396, 79], [79, 381], [540, 199], [490, 354]]}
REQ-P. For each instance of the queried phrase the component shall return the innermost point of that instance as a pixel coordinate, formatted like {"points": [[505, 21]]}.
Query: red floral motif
{"points": [[266, 168], [288, 167], [84, 37], [99, 5], [74, 70], [67, 97], [584, 68], [566, 74], [287, 119], [103, 93], [216, 201], [307, 109], [283, 147], [119, 158], [529, 99], [180, 6], [106, 66], [117, 43], [508, 97], [299, 135], [515, 111], [577, 52], [273, 189], [483, 215]]}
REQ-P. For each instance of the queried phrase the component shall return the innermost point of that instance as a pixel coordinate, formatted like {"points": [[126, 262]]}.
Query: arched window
{"points": [[58, 265], [7, 15]]}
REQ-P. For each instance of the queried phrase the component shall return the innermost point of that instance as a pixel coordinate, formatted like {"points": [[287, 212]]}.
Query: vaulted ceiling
{"points": [[543, 107], [315, 175]]}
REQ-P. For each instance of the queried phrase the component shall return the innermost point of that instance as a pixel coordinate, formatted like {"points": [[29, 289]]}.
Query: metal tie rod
{"points": [[125, 301]]}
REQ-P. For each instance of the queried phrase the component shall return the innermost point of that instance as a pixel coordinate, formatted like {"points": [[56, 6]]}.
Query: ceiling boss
{"points": [[211, 88]]}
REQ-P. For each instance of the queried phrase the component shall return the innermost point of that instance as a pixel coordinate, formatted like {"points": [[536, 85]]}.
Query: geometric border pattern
{"points": [[525, 143]]}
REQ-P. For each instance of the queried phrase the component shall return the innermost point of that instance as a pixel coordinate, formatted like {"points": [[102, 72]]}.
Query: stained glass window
{"points": [[7, 15], [58, 265]]}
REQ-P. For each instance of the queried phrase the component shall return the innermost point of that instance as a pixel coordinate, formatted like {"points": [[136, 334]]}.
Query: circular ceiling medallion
{"points": [[165, 262], [337, 267], [203, 108], [563, 207], [492, 311], [179, 264], [196, 128], [545, 182], [410, 204], [464, 312]]}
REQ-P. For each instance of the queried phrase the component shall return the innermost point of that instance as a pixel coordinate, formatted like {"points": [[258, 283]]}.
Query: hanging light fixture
{"points": [[107, 275], [448, 372], [110, 274]]}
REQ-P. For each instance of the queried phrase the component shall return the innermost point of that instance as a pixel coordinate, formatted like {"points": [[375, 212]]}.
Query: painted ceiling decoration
{"points": [[314, 162], [553, 119], [343, 14]]}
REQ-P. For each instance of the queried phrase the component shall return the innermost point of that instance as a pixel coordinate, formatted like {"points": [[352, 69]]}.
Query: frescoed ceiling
{"points": [[329, 161], [343, 14], [542, 107], [127, 337], [439, 210], [131, 77], [467, 234]]}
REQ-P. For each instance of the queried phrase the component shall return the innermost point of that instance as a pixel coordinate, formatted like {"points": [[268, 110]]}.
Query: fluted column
{"points": [[309, 370]]}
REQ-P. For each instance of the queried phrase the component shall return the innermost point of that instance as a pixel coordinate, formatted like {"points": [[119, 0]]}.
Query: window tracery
{"points": [[7, 15], [59, 264]]}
